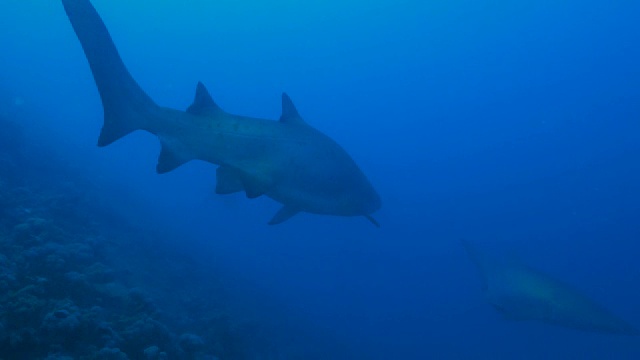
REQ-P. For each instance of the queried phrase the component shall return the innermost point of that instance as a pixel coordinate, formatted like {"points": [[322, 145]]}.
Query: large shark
{"points": [[522, 293], [286, 160]]}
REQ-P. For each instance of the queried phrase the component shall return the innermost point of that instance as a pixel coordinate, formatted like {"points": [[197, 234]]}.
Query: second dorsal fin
{"points": [[203, 103]]}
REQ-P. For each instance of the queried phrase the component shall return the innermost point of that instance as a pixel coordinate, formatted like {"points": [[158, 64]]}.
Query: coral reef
{"points": [[64, 291]]}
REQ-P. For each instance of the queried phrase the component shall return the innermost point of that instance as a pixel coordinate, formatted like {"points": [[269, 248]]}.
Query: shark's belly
{"points": [[319, 189], [302, 170]]}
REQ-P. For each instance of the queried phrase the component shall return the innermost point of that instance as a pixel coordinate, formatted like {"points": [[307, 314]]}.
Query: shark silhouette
{"points": [[286, 160], [521, 293]]}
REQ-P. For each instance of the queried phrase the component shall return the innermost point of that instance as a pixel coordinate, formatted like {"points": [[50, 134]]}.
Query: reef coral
{"points": [[64, 293]]}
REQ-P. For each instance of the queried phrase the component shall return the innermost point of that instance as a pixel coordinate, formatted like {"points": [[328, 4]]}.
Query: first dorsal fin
{"points": [[289, 113], [203, 103]]}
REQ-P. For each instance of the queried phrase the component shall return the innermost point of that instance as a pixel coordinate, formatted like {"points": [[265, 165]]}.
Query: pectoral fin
{"points": [[373, 221], [253, 187], [230, 180], [283, 215]]}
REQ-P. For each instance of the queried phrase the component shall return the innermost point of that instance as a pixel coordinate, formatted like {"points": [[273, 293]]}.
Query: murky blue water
{"points": [[515, 125]]}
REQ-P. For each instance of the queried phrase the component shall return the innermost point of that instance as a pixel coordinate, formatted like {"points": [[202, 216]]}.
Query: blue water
{"points": [[512, 124]]}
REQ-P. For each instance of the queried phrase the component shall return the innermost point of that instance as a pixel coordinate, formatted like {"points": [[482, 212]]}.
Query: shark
{"points": [[519, 292], [286, 159]]}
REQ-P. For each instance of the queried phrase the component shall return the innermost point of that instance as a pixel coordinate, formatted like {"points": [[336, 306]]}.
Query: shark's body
{"points": [[286, 160], [522, 293]]}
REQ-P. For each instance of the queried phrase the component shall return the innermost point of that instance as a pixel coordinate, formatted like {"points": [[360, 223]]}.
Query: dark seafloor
{"points": [[78, 282]]}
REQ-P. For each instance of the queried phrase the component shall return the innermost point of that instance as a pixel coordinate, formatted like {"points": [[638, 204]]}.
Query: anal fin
{"points": [[169, 158]]}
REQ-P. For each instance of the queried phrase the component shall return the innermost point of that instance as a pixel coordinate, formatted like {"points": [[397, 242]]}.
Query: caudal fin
{"points": [[126, 106], [478, 259]]}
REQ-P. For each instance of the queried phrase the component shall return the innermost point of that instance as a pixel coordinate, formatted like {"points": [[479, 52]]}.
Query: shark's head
{"points": [[624, 328], [334, 185], [599, 319], [369, 201], [361, 200]]}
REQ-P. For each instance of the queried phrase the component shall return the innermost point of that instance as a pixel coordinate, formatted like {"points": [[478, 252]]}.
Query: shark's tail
{"points": [[126, 106], [478, 259]]}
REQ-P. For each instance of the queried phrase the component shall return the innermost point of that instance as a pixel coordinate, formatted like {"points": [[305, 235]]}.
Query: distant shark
{"points": [[521, 293], [286, 160]]}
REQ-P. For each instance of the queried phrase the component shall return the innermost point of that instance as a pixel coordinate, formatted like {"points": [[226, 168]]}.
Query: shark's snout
{"points": [[373, 204], [366, 203]]}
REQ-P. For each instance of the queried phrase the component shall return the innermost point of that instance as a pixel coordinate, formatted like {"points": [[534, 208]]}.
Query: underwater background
{"points": [[515, 125]]}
